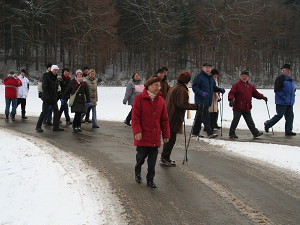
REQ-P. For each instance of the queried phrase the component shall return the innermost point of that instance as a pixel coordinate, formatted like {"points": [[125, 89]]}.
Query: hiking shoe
{"points": [[151, 184], [69, 122], [79, 129], [49, 124], [212, 136], [95, 126], [290, 134], [39, 129], [233, 136], [88, 121], [13, 117], [24, 117], [164, 162], [75, 130], [138, 179], [266, 127], [58, 129], [127, 123], [258, 134]]}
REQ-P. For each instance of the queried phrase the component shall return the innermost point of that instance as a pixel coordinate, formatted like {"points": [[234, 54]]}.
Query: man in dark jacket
{"points": [[204, 87], [177, 103], [50, 97], [240, 98], [64, 80], [285, 89]]}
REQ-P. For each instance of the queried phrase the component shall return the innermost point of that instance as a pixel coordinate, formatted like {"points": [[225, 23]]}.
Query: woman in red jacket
{"points": [[240, 98], [11, 82], [149, 121]]}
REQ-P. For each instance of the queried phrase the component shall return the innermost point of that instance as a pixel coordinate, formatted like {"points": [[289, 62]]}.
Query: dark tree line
{"points": [[119, 37]]}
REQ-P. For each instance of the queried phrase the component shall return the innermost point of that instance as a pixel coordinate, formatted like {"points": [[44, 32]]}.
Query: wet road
{"points": [[213, 187]]}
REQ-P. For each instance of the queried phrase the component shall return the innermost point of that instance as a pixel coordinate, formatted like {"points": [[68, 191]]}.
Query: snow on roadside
{"points": [[283, 156], [41, 184]]}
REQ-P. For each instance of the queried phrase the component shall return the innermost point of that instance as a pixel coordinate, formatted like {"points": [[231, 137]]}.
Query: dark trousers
{"points": [[128, 118], [87, 115], [168, 147], [236, 119], [214, 119], [202, 116], [287, 112], [45, 112], [22, 101], [64, 108], [142, 153], [77, 120]]}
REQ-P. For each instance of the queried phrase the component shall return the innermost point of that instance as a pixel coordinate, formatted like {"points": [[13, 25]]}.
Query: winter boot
{"points": [[6, 117], [23, 116], [13, 117]]}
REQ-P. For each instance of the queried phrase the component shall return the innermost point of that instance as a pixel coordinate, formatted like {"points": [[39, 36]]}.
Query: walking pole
{"points": [[269, 115], [222, 116]]}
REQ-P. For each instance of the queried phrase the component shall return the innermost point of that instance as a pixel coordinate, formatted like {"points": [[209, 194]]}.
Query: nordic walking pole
{"points": [[269, 115], [222, 116]]}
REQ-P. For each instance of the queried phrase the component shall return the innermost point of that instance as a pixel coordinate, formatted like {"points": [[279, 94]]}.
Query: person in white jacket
{"points": [[23, 92]]}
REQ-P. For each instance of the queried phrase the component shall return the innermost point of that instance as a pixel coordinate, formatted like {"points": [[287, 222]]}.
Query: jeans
{"points": [[141, 154], [287, 112], [94, 115], [202, 116], [248, 118], [64, 108], [48, 117], [45, 112], [168, 147], [14, 103]]}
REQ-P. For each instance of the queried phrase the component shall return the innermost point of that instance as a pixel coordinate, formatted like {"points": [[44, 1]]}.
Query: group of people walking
{"points": [[157, 110]]}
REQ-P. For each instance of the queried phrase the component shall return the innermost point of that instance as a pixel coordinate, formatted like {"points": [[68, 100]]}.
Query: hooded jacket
{"points": [[23, 90], [11, 86], [151, 119]]}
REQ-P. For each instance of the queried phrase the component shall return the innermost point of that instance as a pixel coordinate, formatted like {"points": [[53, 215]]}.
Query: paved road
{"points": [[211, 188]]}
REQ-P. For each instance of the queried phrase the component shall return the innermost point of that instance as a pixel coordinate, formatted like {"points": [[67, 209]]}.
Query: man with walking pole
{"points": [[177, 103], [204, 87], [285, 92]]}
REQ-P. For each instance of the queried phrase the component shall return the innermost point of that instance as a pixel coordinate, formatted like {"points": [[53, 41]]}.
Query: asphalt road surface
{"points": [[212, 188]]}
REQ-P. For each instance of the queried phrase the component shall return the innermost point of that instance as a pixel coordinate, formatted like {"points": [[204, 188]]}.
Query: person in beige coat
{"points": [[213, 109], [91, 81]]}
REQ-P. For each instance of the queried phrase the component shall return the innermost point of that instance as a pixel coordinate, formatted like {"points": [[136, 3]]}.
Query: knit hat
{"points": [[286, 66], [78, 71], [54, 67], [151, 81]]}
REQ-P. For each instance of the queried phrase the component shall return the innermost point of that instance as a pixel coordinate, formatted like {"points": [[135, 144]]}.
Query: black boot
{"points": [[23, 115], [13, 117], [6, 117]]}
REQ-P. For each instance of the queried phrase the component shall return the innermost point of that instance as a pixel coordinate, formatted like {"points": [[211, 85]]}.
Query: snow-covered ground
{"points": [[40, 184], [26, 197]]}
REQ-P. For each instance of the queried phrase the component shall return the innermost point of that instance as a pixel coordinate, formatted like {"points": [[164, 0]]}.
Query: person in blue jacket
{"points": [[285, 92], [204, 87]]}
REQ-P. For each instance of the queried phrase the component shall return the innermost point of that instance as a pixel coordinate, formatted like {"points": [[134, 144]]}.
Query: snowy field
{"points": [[40, 184], [27, 198]]}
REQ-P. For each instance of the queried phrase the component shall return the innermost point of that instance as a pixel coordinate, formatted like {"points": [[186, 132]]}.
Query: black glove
{"points": [[40, 94], [231, 103], [265, 98]]}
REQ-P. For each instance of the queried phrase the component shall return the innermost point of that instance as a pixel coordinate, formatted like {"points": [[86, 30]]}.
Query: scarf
{"points": [[152, 96]]}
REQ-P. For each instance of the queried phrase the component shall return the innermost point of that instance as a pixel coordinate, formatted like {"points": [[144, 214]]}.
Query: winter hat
{"points": [[23, 70], [286, 66], [214, 71], [78, 71], [245, 73], [151, 81], [184, 77], [54, 67], [207, 64]]}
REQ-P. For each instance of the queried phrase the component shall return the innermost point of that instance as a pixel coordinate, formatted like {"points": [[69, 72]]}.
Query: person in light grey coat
{"points": [[134, 88]]}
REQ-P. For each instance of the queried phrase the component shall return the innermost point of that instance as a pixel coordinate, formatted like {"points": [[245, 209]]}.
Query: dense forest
{"points": [[119, 37]]}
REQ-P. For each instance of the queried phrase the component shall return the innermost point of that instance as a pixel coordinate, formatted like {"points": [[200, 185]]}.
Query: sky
{"points": [[38, 182]]}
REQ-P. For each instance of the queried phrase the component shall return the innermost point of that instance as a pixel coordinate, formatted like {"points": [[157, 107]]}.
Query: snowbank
{"points": [[41, 184]]}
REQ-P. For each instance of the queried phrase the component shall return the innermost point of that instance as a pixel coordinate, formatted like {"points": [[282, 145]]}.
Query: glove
{"points": [[40, 94], [124, 103], [89, 105], [265, 98], [62, 101], [205, 94], [222, 90], [231, 103]]}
